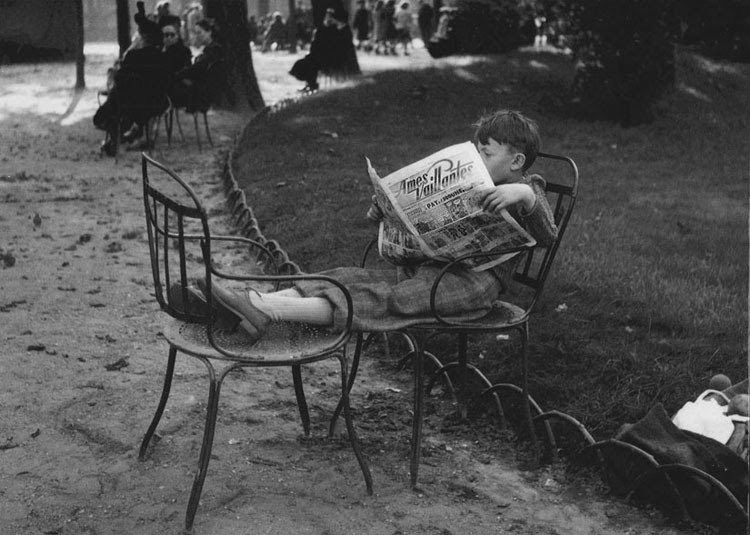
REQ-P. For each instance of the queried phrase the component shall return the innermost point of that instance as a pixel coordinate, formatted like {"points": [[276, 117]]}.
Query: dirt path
{"points": [[82, 361]]}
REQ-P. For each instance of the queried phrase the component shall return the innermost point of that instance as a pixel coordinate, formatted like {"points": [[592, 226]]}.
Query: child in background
{"points": [[389, 299]]}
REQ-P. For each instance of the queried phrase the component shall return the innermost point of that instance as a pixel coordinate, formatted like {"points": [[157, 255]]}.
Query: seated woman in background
{"points": [[192, 82], [331, 48], [139, 87], [176, 54]]}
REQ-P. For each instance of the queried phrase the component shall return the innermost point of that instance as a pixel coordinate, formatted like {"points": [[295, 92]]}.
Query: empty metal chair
{"points": [[181, 247]]}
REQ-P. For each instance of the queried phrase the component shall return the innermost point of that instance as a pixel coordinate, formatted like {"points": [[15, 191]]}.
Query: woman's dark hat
{"points": [[147, 28]]}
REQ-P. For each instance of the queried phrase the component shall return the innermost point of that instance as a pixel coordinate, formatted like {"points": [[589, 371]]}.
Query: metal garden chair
{"points": [[505, 319], [207, 94], [180, 243]]}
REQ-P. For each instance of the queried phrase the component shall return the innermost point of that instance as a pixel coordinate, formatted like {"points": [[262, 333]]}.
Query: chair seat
{"points": [[283, 343], [503, 314]]}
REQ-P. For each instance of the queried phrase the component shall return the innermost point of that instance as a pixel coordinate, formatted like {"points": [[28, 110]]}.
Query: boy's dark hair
{"points": [[512, 128]]}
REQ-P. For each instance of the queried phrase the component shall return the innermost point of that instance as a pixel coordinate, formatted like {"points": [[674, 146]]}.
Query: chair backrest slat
{"points": [[172, 210], [166, 255], [183, 261], [561, 194]]}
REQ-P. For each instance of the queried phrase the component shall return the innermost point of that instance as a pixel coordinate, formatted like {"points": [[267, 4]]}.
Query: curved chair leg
{"points": [[197, 132], [162, 402], [299, 392], [353, 439], [208, 132], [179, 125], [416, 434], [525, 403], [360, 344], [212, 408]]}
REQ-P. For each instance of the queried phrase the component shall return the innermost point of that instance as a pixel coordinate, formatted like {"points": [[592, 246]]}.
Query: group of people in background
{"points": [[271, 32], [158, 69], [379, 26], [383, 25]]}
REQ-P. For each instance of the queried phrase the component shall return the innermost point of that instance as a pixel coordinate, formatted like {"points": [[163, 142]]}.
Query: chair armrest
{"points": [[453, 263], [368, 249], [262, 250]]}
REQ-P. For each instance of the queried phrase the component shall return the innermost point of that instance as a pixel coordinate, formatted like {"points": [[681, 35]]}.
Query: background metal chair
{"points": [[207, 93], [178, 231], [506, 318]]}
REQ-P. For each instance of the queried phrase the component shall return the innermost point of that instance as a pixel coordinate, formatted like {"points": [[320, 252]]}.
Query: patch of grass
{"points": [[653, 269]]}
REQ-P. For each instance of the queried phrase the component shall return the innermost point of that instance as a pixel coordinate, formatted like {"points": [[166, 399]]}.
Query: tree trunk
{"points": [[231, 19], [80, 58], [291, 27], [123, 26]]}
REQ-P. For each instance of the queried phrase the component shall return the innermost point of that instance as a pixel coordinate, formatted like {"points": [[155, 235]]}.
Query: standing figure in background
{"points": [[540, 21], [252, 30], [402, 21], [425, 20], [276, 33], [378, 26], [362, 24], [331, 51], [304, 29], [391, 35]]}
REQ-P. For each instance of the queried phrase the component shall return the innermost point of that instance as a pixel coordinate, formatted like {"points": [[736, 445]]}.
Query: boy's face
{"points": [[503, 162]]}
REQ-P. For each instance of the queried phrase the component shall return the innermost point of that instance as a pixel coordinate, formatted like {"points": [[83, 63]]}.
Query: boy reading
{"points": [[389, 299]]}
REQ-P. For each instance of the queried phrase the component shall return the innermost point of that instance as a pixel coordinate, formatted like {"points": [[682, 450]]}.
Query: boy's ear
{"points": [[519, 159]]}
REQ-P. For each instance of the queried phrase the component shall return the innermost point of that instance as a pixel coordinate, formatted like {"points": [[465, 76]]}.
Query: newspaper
{"points": [[431, 211]]}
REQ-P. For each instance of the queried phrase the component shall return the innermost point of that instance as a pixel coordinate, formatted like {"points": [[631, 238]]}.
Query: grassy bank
{"points": [[653, 270]]}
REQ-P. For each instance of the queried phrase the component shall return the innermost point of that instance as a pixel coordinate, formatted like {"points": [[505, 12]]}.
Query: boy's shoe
{"points": [[253, 321], [196, 304]]}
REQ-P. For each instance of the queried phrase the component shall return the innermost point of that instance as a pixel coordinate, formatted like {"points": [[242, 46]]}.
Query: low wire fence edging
{"points": [[242, 213]]}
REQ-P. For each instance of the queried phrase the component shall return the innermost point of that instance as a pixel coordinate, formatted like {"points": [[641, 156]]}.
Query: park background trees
{"points": [[231, 17], [623, 52]]}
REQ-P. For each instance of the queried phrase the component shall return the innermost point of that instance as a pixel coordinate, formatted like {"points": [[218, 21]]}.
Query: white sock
{"points": [[289, 305]]}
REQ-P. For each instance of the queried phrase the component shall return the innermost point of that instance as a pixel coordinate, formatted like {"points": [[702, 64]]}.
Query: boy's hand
{"points": [[374, 213], [495, 199]]}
